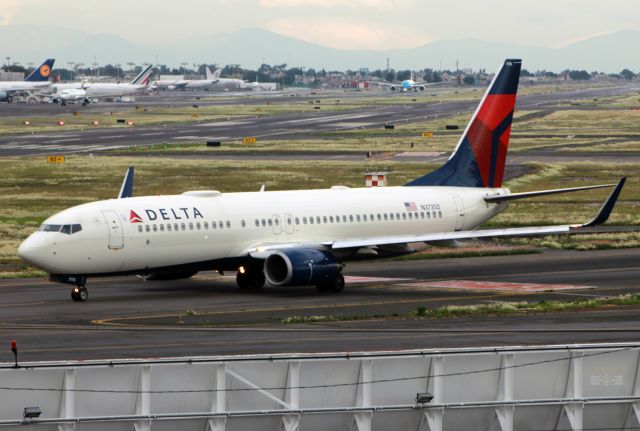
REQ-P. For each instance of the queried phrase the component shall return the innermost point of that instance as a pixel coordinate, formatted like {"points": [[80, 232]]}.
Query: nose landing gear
{"points": [[79, 294]]}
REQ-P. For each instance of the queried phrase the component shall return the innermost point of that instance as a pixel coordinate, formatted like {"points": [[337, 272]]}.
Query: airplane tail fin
{"points": [[42, 72], [215, 76], [479, 158], [143, 77]]}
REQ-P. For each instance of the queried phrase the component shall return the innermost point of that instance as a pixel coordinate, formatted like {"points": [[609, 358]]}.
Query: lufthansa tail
{"points": [[42, 72], [479, 158]]}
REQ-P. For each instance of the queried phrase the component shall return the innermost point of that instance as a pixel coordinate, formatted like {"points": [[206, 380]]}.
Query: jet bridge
{"points": [[563, 387]]}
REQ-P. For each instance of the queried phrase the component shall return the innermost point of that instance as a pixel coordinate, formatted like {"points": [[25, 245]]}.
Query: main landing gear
{"points": [[79, 294], [250, 278], [334, 285]]}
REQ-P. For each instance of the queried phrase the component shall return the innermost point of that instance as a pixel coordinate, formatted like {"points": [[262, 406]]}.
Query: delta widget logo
{"points": [[134, 218], [45, 71]]}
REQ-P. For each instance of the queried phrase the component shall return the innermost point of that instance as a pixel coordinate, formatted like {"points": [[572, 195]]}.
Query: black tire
{"points": [[243, 280], [322, 287], [337, 284], [83, 294], [258, 280]]}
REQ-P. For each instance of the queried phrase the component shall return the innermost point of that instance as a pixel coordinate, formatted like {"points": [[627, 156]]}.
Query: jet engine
{"points": [[393, 88], [301, 267], [421, 88], [4, 97]]}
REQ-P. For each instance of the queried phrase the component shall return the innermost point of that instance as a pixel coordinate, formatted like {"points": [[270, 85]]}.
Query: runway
{"points": [[206, 315], [285, 126]]}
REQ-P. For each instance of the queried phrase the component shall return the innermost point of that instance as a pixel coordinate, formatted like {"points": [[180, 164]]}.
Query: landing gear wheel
{"points": [[243, 280], [258, 280], [337, 284], [79, 294]]}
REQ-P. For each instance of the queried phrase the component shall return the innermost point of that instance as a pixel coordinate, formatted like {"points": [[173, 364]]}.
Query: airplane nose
{"points": [[32, 252]]}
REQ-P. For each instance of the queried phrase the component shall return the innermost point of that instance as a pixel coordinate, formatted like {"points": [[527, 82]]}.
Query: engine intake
{"points": [[300, 267]]}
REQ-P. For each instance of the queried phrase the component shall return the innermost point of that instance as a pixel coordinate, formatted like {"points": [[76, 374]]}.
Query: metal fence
{"points": [[569, 387]]}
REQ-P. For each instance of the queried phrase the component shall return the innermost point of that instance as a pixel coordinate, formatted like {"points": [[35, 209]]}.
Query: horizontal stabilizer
{"points": [[524, 195], [126, 191]]}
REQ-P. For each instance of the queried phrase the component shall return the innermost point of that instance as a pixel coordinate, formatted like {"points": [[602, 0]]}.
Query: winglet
{"points": [[126, 191], [606, 208]]}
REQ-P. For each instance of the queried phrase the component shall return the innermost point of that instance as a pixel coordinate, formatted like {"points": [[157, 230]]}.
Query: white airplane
{"points": [[298, 237], [408, 85], [225, 82], [37, 80], [119, 89]]}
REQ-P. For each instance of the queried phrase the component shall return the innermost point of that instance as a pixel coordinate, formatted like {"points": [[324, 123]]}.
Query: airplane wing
{"points": [[263, 250]]}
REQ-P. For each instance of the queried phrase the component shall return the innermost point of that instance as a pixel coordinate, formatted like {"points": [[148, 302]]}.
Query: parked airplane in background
{"points": [[37, 80], [226, 82], [408, 85], [86, 91], [297, 237]]}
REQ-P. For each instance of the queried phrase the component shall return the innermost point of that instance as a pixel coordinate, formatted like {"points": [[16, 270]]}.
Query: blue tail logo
{"points": [[479, 158], [42, 72]]}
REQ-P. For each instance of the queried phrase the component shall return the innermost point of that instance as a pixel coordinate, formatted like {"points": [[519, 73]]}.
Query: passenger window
{"points": [[221, 224], [337, 219], [330, 219], [162, 227], [206, 225], [390, 216], [139, 228], [351, 218], [304, 220], [428, 214], [257, 223], [344, 218], [440, 214], [264, 222], [270, 222], [289, 221], [228, 224], [175, 227], [183, 226], [190, 226], [324, 219], [422, 214], [214, 225], [364, 217], [297, 221], [276, 221], [198, 225], [404, 216], [433, 214], [385, 216], [146, 228], [358, 218], [242, 223], [155, 228], [310, 220], [397, 216]]}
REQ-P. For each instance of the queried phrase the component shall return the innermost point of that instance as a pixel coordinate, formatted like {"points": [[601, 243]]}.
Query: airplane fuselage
{"points": [[137, 235]]}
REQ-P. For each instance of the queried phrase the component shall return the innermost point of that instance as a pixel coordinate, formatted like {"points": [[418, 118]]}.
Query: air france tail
{"points": [[143, 77], [479, 158], [42, 72]]}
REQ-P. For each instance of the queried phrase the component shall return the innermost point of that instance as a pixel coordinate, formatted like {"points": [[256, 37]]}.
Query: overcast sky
{"points": [[350, 24]]}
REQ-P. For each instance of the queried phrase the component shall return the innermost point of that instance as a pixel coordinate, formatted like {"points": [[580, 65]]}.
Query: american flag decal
{"points": [[410, 206]]}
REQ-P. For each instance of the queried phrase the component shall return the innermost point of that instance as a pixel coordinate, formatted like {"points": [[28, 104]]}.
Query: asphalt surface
{"points": [[126, 317], [285, 126]]}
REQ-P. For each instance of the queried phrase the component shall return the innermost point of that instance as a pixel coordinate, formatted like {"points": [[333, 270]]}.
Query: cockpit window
{"points": [[68, 229]]}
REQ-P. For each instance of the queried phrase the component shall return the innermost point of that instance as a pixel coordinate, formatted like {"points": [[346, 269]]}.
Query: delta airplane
{"points": [[297, 237], [37, 80]]}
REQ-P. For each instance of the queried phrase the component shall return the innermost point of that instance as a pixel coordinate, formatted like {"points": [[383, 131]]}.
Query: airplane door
{"points": [[116, 236], [288, 223], [459, 212], [277, 226]]}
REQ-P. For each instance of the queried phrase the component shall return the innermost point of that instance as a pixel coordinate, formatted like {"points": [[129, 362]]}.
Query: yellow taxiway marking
{"points": [[114, 321]]}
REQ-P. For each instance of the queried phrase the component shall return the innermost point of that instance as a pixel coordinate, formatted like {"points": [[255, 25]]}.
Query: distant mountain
{"points": [[248, 47]]}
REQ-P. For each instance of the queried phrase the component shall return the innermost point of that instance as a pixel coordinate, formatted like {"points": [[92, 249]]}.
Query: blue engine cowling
{"points": [[300, 267]]}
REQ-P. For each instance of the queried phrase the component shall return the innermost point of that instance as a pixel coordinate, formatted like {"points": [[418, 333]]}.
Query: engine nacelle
{"points": [[421, 88], [393, 88], [300, 267], [4, 97]]}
